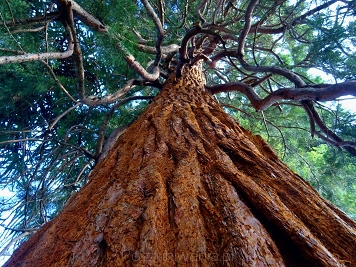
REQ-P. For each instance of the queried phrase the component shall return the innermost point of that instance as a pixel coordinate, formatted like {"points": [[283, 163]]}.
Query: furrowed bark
{"points": [[185, 185]]}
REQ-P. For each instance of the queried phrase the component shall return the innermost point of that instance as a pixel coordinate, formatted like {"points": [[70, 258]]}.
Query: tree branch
{"points": [[26, 57], [296, 21], [160, 30], [327, 134], [183, 51], [57, 81], [130, 59], [95, 101], [200, 7], [39, 56], [83, 15], [63, 114], [327, 93], [34, 20], [247, 27], [164, 49]]}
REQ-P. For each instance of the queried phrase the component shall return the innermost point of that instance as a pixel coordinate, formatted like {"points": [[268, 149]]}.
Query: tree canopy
{"points": [[74, 71]]}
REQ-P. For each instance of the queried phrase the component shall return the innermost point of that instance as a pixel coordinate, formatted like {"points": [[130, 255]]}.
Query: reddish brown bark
{"points": [[185, 185]]}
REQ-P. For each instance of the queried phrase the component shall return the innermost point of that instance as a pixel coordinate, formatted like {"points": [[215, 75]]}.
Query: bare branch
{"points": [[269, 69], [29, 30], [273, 69], [343, 144], [20, 140], [172, 48], [10, 9], [218, 6], [327, 134], [9, 32], [184, 20], [77, 180], [77, 55], [154, 17], [164, 49], [140, 40], [310, 116]]}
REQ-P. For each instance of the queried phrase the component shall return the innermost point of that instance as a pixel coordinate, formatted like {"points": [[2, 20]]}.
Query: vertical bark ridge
{"points": [[185, 185]]}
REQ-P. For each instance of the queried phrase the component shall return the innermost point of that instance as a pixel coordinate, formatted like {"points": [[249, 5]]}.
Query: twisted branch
{"points": [[325, 92]]}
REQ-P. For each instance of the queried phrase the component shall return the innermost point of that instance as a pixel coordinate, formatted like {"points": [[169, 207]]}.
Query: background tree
{"points": [[70, 78]]}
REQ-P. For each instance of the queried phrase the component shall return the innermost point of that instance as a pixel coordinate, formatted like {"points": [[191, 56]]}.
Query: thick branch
{"points": [[273, 69], [247, 27], [328, 93], [269, 69], [83, 15], [39, 56], [26, 57]]}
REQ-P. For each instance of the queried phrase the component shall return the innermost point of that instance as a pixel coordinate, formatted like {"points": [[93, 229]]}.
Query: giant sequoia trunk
{"points": [[185, 185]]}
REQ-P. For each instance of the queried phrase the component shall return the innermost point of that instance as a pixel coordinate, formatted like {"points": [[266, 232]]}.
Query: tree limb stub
{"points": [[84, 15]]}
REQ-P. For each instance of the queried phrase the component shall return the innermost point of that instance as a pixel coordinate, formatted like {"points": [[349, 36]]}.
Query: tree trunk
{"points": [[185, 185]]}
